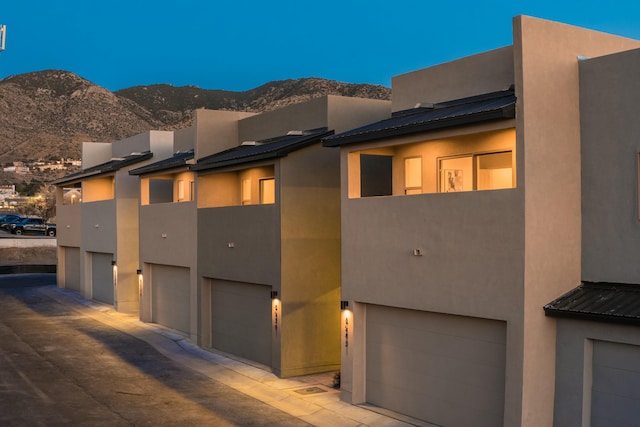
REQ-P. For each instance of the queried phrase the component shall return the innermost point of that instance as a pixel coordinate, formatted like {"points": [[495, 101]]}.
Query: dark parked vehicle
{"points": [[33, 226], [7, 219]]}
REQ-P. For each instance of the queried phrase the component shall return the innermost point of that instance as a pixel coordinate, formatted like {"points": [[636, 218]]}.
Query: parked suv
{"points": [[33, 226], [7, 219]]}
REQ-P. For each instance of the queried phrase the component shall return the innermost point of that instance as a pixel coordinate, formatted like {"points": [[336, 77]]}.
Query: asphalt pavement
{"points": [[68, 361]]}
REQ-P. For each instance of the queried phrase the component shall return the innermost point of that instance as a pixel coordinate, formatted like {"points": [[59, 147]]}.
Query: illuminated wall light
{"points": [[140, 284], [274, 298], [344, 306]]}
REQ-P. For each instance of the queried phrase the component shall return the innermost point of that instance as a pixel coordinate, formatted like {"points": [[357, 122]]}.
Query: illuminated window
{"points": [[494, 171], [267, 191], [413, 175], [180, 190], [490, 171], [246, 192]]}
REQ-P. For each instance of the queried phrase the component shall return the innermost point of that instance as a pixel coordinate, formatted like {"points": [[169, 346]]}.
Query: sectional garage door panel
{"points": [[171, 297], [102, 277], [72, 268], [448, 370], [615, 395], [241, 320]]}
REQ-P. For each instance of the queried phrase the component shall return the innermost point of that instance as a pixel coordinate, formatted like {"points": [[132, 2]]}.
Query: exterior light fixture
{"points": [[139, 272], [274, 294], [344, 305], [113, 263]]}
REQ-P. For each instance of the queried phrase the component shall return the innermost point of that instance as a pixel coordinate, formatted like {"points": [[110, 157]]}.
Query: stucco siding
{"points": [[610, 147], [168, 234], [471, 248], [253, 234]]}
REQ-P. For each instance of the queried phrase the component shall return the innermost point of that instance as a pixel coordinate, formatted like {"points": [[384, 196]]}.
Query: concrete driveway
{"points": [[60, 367]]}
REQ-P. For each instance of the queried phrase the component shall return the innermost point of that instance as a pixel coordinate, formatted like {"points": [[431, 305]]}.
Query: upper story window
{"points": [[244, 187], [71, 194], [170, 188], [413, 175], [267, 191], [481, 161], [97, 189]]}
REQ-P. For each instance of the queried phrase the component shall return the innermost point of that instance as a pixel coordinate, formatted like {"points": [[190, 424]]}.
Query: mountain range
{"points": [[45, 115]]}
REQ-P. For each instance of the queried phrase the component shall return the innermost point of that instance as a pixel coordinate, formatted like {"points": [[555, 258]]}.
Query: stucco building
{"points": [[598, 322], [269, 236], [168, 260], [461, 219], [97, 218]]}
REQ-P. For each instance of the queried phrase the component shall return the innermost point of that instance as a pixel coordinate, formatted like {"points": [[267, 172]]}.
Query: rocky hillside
{"points": [[47, 114]]}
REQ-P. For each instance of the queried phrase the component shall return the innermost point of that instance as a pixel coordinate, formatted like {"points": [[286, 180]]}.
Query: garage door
{"points": [[102, 277], [615, 395], [447, 370], [241, 320], [72, 268], [171, 297]]}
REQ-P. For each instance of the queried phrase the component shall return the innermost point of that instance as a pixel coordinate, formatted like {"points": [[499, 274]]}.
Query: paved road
{"points": [[60, 367]]}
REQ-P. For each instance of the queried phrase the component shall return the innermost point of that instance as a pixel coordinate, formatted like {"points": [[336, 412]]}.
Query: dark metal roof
{"points": [[604, 302], [179, 158], [491, 106], [260, 150], [105, 168]]}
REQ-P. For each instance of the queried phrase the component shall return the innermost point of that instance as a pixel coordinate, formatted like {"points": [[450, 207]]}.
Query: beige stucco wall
{"points": [[216, 131], [610, 147], [95, 153], [310, 282], [473, 75], [338, 113], [253, 231], [548, 118]]}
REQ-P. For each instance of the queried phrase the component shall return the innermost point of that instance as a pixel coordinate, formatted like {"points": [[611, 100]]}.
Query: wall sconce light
{"points": [[163, 235], [274, 294], [139, 272], [233, 245], [344, 305], [113, 262], [417, 252], [97, 226]]}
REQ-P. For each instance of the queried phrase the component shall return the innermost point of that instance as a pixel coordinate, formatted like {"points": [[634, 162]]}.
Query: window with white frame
{"points": [[413, 175], [267, 191], [245, 197]]}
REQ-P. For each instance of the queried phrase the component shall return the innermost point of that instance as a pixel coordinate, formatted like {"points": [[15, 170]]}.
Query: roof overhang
{"points": [[460, 112], [267, 149], [603, 302], [104, 169], [178, 160]]}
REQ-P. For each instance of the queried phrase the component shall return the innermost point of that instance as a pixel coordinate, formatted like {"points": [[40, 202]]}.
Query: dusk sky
{"points": [[244, 44]]}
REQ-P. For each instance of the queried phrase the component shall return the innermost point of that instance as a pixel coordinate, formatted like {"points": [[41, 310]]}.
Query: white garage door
{"points": [[615, 395], [241, 320], [72, 268], [171, 297], [447, 370], [102, 277]]}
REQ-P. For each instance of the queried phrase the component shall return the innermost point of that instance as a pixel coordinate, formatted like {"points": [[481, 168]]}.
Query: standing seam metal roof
{"points": [[605, 302], [179, 158], [490, 106], [105, 168], [265, 149]]}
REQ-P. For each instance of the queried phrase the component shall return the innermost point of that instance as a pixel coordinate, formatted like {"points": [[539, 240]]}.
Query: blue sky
{"points": [[240, 45]]}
